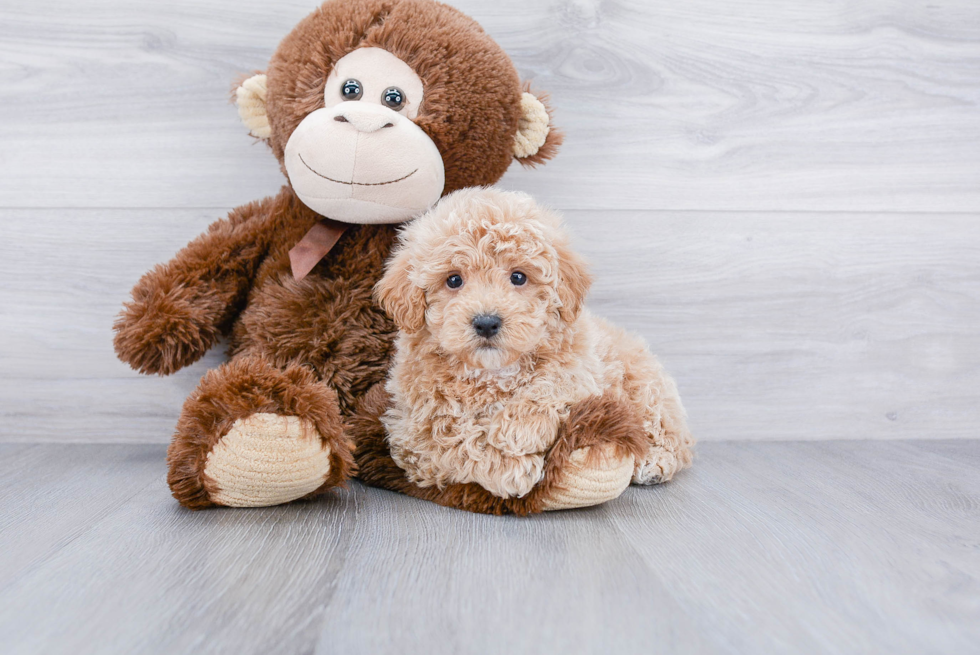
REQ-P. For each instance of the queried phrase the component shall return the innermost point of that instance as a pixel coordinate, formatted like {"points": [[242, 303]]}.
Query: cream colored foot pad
{"points": [[267, 459], [583, 486]]}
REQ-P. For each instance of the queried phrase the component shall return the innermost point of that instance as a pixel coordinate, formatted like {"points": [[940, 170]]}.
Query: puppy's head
{"points": [[487, 275]]}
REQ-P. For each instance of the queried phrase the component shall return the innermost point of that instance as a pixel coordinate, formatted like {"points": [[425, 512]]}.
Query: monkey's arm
{"points": [[180, 309]]}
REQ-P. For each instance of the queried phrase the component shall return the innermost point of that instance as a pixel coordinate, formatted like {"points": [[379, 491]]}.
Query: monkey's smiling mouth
{"points": [[352, 183]]}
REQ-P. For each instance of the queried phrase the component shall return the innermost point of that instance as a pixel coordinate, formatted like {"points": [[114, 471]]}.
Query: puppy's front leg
{"points": [[518, 438]]}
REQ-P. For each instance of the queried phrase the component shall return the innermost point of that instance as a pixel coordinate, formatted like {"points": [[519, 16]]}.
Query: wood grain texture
{"points": [[57, 493], [776, 326], [142, 574], [801, 326], [840, 105], [832, 547]]}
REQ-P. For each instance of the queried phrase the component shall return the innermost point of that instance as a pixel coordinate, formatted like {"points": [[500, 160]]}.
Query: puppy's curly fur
{"points": [[485, 405]]}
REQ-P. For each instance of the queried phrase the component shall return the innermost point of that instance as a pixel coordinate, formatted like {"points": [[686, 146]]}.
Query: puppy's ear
{"points": [[401, 299], [574, 281]]}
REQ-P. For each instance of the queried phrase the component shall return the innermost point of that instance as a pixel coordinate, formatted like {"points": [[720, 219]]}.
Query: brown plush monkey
{"points": [[374, 109]]}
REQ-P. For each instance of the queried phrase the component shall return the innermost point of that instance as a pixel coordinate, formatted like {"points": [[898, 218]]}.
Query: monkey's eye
{"points": [[352, 90], [393, 97], [517, 278], [454, 281]]}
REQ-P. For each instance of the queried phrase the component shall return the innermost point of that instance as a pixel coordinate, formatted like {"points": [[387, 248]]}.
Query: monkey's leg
{"points": [[253, 435], [594, 458], [590, 463]]}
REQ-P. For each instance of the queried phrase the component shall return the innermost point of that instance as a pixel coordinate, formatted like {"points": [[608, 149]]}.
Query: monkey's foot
{"points": [[266, 459], [590, 479], [253, 435]]}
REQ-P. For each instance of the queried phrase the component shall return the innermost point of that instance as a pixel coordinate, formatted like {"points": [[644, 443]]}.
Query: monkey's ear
{"points": [[250, 98], [536, 140], [401, 299]]}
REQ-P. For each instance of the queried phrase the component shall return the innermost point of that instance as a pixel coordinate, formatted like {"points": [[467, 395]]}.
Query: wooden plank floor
{"points": [[806, 547]]}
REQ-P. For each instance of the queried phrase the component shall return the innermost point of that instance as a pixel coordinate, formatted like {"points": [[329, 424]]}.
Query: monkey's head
{"points": [[377, 108]]}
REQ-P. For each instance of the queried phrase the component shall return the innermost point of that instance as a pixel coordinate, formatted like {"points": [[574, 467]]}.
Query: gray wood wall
{"points": [[782, 197]]}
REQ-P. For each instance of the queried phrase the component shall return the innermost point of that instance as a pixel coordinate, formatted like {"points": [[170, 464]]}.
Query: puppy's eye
{"points": [[352, 90], [393, 97], [517, 278], [454, 281]]}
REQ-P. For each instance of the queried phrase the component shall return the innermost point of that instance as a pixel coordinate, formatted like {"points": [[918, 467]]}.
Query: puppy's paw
{"points": [[657, 466], [590, 479], [506, 476]]}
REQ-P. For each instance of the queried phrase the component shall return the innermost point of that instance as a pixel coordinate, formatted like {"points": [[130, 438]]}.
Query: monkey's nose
{"points": [[364, 117], [487, 325]]}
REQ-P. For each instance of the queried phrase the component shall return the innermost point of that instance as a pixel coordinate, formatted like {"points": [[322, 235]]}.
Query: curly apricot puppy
{"points": [[495, 347]]}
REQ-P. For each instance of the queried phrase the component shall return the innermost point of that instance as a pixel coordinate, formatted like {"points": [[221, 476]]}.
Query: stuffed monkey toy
{"points": [[375, 109]]}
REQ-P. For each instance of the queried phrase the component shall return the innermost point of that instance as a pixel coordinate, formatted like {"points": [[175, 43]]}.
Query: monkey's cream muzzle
{"points": [[359, 162]]}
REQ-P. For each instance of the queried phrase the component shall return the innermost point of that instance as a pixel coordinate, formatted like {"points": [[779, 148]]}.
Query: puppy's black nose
{"points": [[487, 325]]}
